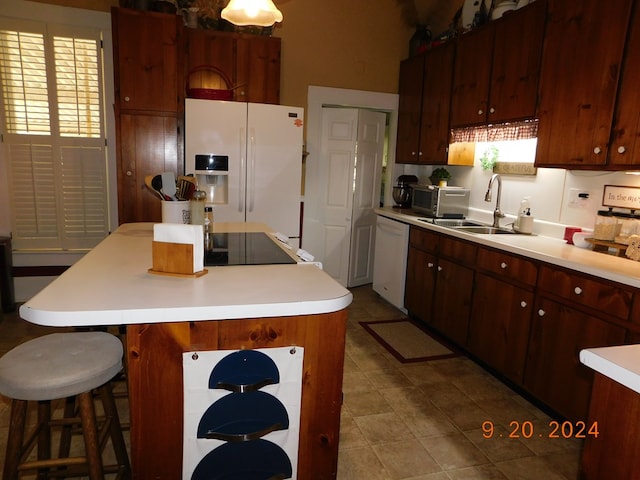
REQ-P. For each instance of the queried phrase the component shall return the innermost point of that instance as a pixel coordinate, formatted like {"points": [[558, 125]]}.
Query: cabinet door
{"points": [[553, 370], [471, 77], [581, 63], [625, 141], [258, 69], [452, 300], [146, 60], [436, 98], [515, 69], [147, 146], [210, 48], [409, 110], [499, 328], [419, 288]]}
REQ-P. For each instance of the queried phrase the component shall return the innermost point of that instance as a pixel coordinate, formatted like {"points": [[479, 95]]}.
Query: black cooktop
{"points": [[250, 248]]}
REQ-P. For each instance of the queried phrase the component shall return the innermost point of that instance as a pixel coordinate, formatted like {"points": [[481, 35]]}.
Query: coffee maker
{"points": [[403, 190]]}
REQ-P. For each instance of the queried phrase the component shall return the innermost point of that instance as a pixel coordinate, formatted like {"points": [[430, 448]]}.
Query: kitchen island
{"points": [[231, 307]]}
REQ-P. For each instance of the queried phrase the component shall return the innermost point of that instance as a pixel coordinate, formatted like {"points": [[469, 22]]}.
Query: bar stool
{"points": [[63, 366]]}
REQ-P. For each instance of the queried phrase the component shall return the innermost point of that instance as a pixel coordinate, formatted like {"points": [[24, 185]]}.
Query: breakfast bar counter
{"points": [[230, 308]]}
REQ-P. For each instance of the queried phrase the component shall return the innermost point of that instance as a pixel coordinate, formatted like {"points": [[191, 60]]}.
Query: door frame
{"points": [[317, 97]]}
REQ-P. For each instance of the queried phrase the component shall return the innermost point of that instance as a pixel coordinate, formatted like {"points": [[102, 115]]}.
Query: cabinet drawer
{"points": [[461, 252], [607, 297], [508, 266], [424, 239]]}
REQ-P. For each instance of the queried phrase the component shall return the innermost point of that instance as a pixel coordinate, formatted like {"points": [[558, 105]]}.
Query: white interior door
{"points": [[349, 171], [366, 195]]}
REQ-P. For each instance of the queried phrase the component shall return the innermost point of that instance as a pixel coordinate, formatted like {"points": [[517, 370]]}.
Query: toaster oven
{"points": [[440, 202]]}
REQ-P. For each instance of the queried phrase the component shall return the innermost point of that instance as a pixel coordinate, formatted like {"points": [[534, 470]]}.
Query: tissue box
{"points": [[177, 250]]}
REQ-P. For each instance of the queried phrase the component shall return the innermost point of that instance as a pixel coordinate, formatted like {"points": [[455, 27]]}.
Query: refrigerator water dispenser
{"points": [[212, 174]]}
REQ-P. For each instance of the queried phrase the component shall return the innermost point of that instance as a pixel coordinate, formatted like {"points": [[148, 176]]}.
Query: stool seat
{"points": [[60, 365]]}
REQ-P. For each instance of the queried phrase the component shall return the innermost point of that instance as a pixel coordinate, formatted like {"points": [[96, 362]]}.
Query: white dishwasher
{"points": [[390, 261]]}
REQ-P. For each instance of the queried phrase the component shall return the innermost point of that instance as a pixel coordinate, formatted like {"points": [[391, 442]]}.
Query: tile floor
{"points": [[418, 421]]}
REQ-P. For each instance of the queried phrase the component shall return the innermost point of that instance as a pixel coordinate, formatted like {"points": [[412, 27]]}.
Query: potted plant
{"points": [[489, 158], [440, 176]]}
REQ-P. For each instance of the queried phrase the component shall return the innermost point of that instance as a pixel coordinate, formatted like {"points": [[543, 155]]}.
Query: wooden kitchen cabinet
{"points": [[439, 282], [145, 60], [624, 151], [148, 107], [502, 307], [497, 69], [581, 64], [410, 109], [252, 62], [148, 144], [572, 312]]}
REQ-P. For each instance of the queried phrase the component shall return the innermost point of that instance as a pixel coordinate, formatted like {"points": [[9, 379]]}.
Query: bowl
{"points": [[580, 239]]}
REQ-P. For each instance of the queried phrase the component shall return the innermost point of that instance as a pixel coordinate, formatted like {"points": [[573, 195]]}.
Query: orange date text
{"points": [[553, 429]]}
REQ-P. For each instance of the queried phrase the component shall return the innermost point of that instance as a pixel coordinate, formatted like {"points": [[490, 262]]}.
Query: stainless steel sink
{"points": [[483, 229], [452, 222]]}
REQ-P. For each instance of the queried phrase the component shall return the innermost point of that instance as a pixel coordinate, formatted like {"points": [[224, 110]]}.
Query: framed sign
{"points": [[621, 196]]}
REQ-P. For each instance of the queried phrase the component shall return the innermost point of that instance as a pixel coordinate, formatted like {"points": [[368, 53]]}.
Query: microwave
{"points": [[440, 202]]}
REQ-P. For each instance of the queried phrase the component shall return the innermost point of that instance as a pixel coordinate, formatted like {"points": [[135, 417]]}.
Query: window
{"points": [[53, 134]]}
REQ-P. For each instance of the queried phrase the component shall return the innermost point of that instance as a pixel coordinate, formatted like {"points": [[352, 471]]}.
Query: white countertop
{"points": [[110, 285], [621, 364], [551, 250]]}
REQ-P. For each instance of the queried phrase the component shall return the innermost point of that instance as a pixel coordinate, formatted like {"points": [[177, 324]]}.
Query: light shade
{"points": [[251, 12]]}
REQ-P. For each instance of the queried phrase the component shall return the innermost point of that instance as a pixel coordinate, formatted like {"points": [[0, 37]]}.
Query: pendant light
{"points": [[252, 12]]}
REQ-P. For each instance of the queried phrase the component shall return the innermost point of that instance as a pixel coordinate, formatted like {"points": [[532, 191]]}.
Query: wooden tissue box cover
{"points": [[173, 259]]}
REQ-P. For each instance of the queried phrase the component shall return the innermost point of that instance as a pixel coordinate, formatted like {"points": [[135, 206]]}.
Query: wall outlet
{"points": [[578, 198]]}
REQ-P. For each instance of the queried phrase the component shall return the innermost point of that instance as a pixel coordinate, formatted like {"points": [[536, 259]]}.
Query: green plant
{"points": [[489, 158], [441, 173]]}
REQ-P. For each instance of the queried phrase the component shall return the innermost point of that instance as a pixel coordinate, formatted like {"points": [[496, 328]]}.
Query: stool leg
{"points": [[115, 429], [15, 440], [44, 435], [65, 435], [90, 431]]}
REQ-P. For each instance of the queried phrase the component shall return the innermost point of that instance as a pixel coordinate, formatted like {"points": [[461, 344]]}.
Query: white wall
{"points": [[548, 191]]}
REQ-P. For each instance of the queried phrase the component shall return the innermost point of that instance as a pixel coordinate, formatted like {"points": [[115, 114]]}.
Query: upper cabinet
{"points": [[252, 62], [581, 64], [497, 69], [423, 114], [146, 60], [624, 149]]}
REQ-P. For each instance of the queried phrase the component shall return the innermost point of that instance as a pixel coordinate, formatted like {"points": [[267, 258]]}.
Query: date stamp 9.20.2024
{"points": [[552, 429]]}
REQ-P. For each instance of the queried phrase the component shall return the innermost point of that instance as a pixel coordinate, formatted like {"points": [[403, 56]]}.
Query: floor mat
{"points": [[407, 342]]}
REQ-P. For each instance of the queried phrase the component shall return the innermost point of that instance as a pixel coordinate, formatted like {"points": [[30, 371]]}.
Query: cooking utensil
{"points": [[169, 184], [156, 183], [148, 180]]}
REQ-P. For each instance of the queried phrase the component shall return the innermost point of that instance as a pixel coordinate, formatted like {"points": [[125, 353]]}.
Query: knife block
{"points": [[173, 259]]}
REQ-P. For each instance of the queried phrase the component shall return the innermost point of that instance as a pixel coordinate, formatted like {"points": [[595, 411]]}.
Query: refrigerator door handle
{"points": [[243, 169], [251, 183]]}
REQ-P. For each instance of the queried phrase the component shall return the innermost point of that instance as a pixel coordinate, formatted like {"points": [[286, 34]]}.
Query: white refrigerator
{"points": [[256, 161]]}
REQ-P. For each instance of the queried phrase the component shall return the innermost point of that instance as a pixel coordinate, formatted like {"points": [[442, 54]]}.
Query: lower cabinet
{"points": [[525, 319], [499, 328], [554, 373]]}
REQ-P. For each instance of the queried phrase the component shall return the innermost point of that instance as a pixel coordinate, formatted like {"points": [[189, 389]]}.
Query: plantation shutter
{"points": [[53, 136]]}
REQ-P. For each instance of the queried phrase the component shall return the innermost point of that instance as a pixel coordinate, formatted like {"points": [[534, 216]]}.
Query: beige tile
{"points": [[360, 464], [383, 428], [406, 459], [356, 382], [422, 373], [481, 472], [454, 451], [388, 378], [498, 446], [350, 434], [530, 468], [366, 403]]}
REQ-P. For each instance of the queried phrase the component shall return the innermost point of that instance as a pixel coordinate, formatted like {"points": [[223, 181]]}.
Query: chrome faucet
{"points": [[497, 213]]}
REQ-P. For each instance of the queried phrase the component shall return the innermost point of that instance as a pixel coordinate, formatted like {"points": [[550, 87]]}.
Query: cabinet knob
{"points": [[129, 173], [492, 110], [541, 313], [597, 150], [503, 265], [126, 99], [430, 265], [622, 149], [523, 304], [480, 112], [577, 290], [413, 154], [439, 268], [419, 154]]}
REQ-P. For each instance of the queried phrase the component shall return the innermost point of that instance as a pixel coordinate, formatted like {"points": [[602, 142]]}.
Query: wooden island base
{"points": [[614, 453], [156, 389]]}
